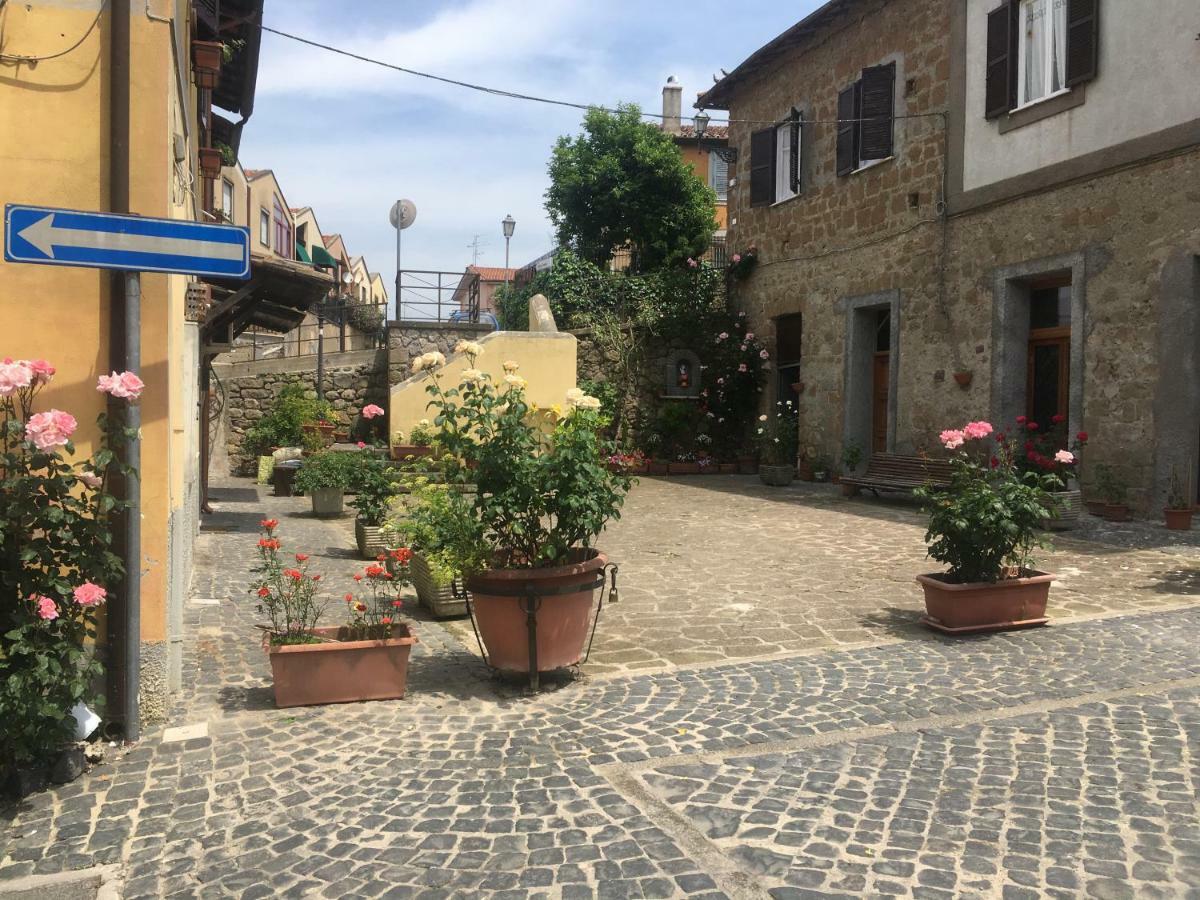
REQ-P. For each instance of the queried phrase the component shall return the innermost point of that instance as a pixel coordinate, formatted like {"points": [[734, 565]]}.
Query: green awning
{"points": [[321, 257], [302, 254]]}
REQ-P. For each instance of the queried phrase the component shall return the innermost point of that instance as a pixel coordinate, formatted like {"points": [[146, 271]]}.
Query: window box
{"points": [[210, 162], [206, 62]]}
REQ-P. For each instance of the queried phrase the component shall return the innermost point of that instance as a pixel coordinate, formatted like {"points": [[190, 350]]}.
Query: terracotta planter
{"points": [[638, 469], [805, 470], [438, 599], [369, 539], [1178, 519], [562, 619], [982, 606], [684, 468], [404, 451], [1066, 506], [776, 476], [342, 671], [849, 490], [210, 162], [963, 378], [658, 467], [207, 55], [727, 468], [328, 503], [1116, 512], [1095, 507], [324, 429]]}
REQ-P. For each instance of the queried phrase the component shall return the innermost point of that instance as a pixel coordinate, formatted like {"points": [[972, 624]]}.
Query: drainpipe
{"points": [[125, 352]]}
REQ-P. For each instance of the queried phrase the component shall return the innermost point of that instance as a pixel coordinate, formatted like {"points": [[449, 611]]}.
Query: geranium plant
{"points": [[984, 525], [543, 486], [56, 561]]}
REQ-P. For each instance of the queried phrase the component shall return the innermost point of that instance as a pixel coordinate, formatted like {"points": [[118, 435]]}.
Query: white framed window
{"points": [[784, 182], [264, 227], [1041, 50], [718, 175], [227, 198]]}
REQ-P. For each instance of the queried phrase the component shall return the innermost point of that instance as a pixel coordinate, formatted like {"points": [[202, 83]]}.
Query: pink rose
{"points": [[952, 439], [749, 335], [692, 263], [763, 354], [42, 370], [371, 411], [737, 257], [50, 429], [742, 368], [977, 430], [723, 336], [91, 479], [125, 386], [1066, 457], [88, 594], [46, 608], [362, 445], [14, 376]]}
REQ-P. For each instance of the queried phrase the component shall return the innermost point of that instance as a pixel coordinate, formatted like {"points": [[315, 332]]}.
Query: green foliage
{"points": [[672, 432], [1177, 495], [284, 425], [286, 593], [734, 371], [56, 527], [778, 435], [852, 455], [623, 182], [329, 469], [375, 488], [1110, 485], [429, 525]]}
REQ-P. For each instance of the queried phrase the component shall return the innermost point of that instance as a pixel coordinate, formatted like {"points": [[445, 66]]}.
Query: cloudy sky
{"points": [[348, 138]]}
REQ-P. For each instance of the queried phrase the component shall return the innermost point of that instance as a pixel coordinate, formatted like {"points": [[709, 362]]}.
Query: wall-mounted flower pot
{"points": [[985, 606], [206, 63], [328, 503], [210, 162], [776, 476], [1178, 519], [963, 378], [340, 671], [798, 387]]}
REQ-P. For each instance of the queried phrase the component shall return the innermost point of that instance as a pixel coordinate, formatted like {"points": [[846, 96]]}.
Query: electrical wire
{"points": [[19, 58]]}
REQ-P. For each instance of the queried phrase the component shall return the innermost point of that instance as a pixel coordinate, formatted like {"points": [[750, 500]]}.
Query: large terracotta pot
{"points": [[984, 606], [342, 671], [498, 599], [1178, 519], [1116, 512]]}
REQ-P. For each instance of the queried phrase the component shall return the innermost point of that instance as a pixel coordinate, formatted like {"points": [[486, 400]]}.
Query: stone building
{"points": [[977, 208]]}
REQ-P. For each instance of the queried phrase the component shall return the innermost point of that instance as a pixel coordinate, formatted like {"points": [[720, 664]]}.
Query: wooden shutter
{"points": [[1083, 40], [762, 167], [875, 130], [1001, 78], [847, 130], [794, 162]]}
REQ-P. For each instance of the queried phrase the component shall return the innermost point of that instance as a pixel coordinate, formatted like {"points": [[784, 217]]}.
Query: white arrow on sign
{"points": [[45, 236]]}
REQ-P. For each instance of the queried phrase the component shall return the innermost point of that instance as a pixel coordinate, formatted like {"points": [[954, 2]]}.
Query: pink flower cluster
{"points": [[123, 385], [953, 438], [371, 411], [22, 373], [87, 595], [50, 429]]}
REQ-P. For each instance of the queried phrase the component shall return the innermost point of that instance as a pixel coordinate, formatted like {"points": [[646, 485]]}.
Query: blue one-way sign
{"points": [[64, 237]]}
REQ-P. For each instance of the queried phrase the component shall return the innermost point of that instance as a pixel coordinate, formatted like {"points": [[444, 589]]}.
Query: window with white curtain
{"points": [[718, 174], [1041, 50], [783, 162]]}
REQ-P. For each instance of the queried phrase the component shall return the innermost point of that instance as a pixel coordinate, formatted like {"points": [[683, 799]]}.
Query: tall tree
{"points": [[623, 182]]}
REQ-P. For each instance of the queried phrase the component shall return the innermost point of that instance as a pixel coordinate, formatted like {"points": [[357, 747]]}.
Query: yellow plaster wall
{"points": [[547, 360]]}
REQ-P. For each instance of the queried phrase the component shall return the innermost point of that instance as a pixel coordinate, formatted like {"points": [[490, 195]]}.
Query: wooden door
{"points": [[880, 383], [1048, 376]]}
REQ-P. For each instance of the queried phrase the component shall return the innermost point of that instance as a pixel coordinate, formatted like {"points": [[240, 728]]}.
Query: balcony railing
{"points": [[425, 295], [338, 325]]}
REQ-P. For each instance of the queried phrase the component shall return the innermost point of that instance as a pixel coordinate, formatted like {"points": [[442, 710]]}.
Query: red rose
{"points": [[386, 620], [349, 598], [301, 557], [397, 603], [1058, 418], [1020, 420], [1081, 437], [995, 463], [264, 591], [1032, 426]]}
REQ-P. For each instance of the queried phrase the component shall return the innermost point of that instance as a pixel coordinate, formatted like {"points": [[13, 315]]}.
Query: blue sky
{"points": [[348, 138]]}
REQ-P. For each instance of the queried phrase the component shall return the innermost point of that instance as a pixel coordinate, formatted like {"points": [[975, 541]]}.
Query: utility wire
{"points": [[19, 58]]}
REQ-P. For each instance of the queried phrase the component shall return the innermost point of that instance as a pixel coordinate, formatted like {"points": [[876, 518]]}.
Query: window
{"points": [[283, 231], [302, 237], [264, 228], [1036, 49], [865, 112], [775, 161], [718, 175], [789, 334], [1048, 374], [227, 198]]}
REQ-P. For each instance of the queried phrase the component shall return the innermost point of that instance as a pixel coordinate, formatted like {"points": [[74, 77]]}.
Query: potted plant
{"points": [[207, 57], [365, 659], [777, 437], [1179, 508], [374, 490], [432, 564], [420, 440], [984, 526], [524, 540], [851, 456], [325, 477], [1045, 451], [1112, 488], [210, 162], [820, 468]]}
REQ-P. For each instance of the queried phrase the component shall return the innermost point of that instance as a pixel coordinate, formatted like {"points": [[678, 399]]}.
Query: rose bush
{"points": [[56, 561]]}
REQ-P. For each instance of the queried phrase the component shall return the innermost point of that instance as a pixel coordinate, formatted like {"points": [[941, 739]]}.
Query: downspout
{"points": [[124, 346]]}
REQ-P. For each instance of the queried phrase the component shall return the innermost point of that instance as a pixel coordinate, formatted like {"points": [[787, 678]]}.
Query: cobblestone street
{"points": [[761, 717]]}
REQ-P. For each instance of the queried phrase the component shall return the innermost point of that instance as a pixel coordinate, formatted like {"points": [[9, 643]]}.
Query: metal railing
{"points": [[425, 295], [340, 325], [625, 259]]}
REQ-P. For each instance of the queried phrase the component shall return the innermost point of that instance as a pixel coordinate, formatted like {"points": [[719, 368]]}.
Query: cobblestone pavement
{"points": [[1053, 762]]}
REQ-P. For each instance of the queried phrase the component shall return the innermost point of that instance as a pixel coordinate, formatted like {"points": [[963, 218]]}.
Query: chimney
{"points": [[672, 106]]}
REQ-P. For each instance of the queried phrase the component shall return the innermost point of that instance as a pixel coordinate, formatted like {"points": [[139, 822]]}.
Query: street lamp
{"points": [[702, 119], [510, 225]]}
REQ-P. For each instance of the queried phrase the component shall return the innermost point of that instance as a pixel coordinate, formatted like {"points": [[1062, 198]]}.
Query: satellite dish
{"points": [[403, 214]]}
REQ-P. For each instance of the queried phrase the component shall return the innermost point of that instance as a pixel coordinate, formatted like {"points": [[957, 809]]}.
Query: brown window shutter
{"points": [[1001, 78], [847, 130], [1083, 40], [797, 120], [762, 167], [878, 93]]}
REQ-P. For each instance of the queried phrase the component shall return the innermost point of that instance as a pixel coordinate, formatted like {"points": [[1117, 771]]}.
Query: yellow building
{"points": [[99, 110], [706, 154]]}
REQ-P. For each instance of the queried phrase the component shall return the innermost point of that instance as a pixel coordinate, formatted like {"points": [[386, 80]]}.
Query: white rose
{"points": [[515, 380], [588, 402], [762, 418], [470, 348], [434, 359], [418, 364], [574, 395], [511, 365], [471, 376]]}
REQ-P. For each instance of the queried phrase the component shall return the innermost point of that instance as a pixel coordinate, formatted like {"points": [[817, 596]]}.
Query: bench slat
{"points": [[901, 473]]}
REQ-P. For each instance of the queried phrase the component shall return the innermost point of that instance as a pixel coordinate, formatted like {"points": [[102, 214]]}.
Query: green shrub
{"points": [[329, 469], [283, 425]]}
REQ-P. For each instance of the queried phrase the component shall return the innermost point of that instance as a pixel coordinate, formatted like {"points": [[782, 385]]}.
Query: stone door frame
{"points": [[858, 372]]}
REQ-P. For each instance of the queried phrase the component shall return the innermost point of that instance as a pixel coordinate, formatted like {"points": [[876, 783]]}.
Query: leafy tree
{"points": [[623, 182]]}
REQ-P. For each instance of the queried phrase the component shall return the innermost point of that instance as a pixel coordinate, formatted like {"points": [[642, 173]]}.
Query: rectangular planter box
{"points": [[438, 599], [984, 606], [341, 672], [369, 539]]}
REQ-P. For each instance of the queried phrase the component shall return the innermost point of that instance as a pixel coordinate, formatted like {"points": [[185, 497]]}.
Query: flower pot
{"points": [[1116, 512], [637, 469], [404, 451], [658, 467], [1095, 507], [327, 503], [1178, 519], [561, 618], [369, 539], [849, 490], [727, 468], [777, 476], [206, 55], [684, 468], [210, 162], [982, 606], [438, 599], [806, 471], [963, 378], [1065, 506], [342, 671]]}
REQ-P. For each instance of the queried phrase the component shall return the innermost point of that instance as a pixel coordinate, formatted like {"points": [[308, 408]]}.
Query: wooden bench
{"points": [[887, 472]]}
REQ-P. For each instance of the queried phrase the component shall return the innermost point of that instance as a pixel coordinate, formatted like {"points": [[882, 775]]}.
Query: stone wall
{"points": [[408, 340]]}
